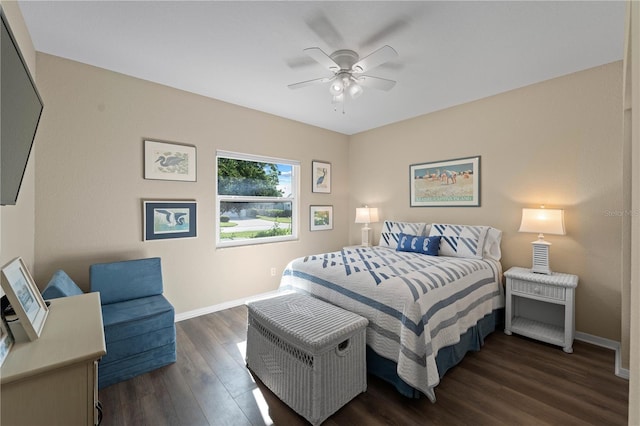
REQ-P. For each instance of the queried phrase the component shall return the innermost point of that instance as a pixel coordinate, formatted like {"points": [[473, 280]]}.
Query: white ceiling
{"points": [[246, 53]]}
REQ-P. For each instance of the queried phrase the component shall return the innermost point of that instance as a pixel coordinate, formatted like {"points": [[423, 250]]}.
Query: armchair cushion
{"points": [[136, 317], [129, 279], [137, 326], [60, 285]]}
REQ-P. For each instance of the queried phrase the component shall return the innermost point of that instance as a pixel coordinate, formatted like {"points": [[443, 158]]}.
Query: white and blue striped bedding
{"points": [[415, 304]]}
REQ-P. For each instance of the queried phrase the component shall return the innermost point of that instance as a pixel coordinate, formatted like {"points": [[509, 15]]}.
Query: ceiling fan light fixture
{"points": [[347, 68], [336, 87], [355, 90]]}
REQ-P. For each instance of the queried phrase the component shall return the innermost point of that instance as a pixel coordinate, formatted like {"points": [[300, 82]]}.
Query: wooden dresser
{"points": [[54, 380]]}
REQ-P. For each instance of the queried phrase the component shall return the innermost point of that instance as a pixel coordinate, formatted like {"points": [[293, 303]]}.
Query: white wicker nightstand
{"points": [[541, 306]]}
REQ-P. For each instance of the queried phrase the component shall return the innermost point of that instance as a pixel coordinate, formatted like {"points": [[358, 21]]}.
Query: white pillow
{"points": [[492, 244], [389, 235], [460, 240]]}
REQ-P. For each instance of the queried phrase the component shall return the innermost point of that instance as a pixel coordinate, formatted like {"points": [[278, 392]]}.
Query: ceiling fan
{"points": [[348, 69]]}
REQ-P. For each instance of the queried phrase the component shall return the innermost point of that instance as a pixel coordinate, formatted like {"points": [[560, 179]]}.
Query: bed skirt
{"points": [[447, 357]]}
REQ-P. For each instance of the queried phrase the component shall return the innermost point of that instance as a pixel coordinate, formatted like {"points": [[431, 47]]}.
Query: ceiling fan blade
{"points": [[379, 57], [310, 82], [386, 32], [322, 58], [322, 26], [376, 82], [300, 62]]}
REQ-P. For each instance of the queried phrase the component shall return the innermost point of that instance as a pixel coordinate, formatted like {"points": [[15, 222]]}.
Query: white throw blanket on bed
{"points": [[415, 304]]}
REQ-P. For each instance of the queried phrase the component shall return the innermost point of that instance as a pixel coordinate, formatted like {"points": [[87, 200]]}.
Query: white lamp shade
{"points": [[543, 221], [366, 215]]}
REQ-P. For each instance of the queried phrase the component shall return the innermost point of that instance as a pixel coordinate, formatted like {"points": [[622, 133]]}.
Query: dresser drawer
{"points": [[537, 289]]}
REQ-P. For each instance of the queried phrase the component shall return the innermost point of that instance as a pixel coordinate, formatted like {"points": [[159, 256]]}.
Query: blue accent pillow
{"points": [[418, 244]]}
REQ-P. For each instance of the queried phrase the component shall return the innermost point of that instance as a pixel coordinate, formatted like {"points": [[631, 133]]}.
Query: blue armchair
{"points": [[139, 324]]}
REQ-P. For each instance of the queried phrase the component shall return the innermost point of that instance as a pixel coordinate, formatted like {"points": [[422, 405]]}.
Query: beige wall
{"points": [[557, 143], [90, 185], [17, 222]]}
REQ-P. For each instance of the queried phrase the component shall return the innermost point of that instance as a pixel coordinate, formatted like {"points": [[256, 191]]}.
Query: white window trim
{"points": [[295, 200]]}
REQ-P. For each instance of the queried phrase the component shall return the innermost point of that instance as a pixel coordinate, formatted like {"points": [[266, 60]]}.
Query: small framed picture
{"points": [[321, 176], [169, 219], [321, 218], [169, 161], [25, 298], [6, 340]]}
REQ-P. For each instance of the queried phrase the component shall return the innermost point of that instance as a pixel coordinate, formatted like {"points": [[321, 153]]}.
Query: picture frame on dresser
{"points": [[6, 340], [24, 297]]}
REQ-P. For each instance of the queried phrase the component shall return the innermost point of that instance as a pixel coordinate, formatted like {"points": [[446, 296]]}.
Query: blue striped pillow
{"points": [[460, 240], [389, 236]]}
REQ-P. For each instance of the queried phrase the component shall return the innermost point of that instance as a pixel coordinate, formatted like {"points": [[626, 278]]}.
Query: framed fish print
{"points": [[169, 161], [165, 220]]}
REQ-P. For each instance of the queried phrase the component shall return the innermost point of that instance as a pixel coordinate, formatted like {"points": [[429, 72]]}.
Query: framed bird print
{"points": [[163, 220], [321, 176], [169, 161]]}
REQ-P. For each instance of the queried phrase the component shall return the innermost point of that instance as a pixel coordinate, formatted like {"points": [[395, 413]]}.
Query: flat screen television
{"points": [[20, 111]]}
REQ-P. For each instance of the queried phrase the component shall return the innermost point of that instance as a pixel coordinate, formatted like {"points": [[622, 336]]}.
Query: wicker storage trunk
{"points": [[309, 353]]}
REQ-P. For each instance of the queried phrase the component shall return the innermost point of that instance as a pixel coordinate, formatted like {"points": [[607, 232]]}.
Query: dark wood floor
{"points": [[511, 381]]}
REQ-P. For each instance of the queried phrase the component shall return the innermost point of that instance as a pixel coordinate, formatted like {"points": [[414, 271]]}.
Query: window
{"points": [[257, 199]]}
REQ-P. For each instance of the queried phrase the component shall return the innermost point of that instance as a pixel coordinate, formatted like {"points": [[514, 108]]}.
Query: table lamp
{"points": [[366, 215], [542, 221]]}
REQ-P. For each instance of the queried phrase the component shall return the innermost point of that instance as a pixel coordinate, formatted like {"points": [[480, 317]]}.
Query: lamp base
{"points": [[541, 257], [365, 236]]}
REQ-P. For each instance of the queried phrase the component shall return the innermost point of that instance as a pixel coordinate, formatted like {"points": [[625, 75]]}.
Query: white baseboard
{"points": [[222, 306], [609, 344]]}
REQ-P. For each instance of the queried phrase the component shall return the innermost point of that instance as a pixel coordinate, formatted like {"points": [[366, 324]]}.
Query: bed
{"points": [[430, 293]]}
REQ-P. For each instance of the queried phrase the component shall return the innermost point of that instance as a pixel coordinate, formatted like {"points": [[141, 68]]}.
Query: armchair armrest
{"points": [[60, 285]]}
